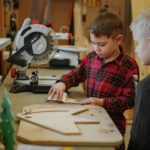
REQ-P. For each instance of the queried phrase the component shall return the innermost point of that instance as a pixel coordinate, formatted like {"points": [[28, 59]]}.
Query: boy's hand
{"points": [[93, 101], [56, 91]]}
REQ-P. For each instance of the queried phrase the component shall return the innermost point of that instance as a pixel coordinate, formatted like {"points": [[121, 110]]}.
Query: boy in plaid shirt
{"points": [[107, 70]]}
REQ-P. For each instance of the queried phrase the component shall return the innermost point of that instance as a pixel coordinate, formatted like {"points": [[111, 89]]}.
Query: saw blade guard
{"points": [[42, 43]]}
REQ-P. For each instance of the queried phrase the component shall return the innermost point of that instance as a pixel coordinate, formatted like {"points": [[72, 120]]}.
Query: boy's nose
{"points": [[97, 48]]}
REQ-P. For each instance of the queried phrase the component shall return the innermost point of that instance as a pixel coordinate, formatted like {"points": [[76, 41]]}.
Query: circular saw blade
{"points": [[40, 51], [45, 48]]}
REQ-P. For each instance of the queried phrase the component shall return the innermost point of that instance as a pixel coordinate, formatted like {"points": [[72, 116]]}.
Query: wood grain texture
{"points": [[95, 127]]}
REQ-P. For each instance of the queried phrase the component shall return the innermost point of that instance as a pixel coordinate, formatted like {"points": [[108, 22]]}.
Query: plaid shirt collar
{"points": [[118, 60]]}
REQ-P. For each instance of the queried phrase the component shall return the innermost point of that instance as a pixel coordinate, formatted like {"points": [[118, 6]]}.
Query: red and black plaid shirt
{"points": [[112, 81]]}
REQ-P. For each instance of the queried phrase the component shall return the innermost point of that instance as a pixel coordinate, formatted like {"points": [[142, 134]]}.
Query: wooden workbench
{"points": [[20, 100]]}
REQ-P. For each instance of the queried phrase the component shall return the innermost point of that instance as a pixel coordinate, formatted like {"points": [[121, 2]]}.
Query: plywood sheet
{"points": [[93, 134], [52, 119]]}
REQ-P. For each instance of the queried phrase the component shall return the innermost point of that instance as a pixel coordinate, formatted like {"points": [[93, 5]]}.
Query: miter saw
{"points": [[36, 43]]}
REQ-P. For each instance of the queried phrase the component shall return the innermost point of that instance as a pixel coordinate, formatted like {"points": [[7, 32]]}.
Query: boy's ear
{"points": [[119, 38]]}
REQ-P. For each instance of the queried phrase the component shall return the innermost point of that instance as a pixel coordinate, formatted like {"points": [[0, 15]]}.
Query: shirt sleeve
{"points": [[127, 99], [75, 76]]}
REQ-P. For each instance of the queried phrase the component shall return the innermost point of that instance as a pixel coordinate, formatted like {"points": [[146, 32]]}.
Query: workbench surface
{"points": [[24, 99]]}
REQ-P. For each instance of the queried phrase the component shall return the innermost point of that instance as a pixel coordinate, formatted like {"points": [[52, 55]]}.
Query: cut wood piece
{"points": [[74, 109], [78, 110], [104, 133], [65, 100], [30, 111], [71, 101], [59, 121]]}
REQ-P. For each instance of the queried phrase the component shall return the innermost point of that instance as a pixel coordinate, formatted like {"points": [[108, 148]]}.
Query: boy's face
{"points": [[105, 47], [142, 48]]}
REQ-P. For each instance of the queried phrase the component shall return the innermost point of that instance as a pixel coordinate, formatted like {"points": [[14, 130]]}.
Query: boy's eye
{"points": [[101, 44]]}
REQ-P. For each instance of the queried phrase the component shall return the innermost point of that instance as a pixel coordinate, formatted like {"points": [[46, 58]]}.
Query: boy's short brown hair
{"points": [[106, 23]]}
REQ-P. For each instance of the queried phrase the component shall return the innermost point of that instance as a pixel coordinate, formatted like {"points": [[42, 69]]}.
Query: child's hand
{"points": [[93, 101], [56, 91]]}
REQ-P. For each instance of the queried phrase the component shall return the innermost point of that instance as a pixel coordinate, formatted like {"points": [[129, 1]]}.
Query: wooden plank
{"points": [[20, 100], [105, 133], [138, 6], [52, 119]]}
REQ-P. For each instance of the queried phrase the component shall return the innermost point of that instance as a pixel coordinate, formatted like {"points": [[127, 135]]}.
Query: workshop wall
{"points": [[8, 28], [8, 18], [2, 18], [86, 10], [54, 13], [61, 15], [66, 15]]}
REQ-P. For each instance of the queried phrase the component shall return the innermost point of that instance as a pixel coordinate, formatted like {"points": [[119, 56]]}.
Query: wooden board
{"points": [[52, 119], [103, 133]]}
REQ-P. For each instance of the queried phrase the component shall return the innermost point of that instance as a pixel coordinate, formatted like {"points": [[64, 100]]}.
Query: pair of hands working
{"points": [[56, 93]]}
